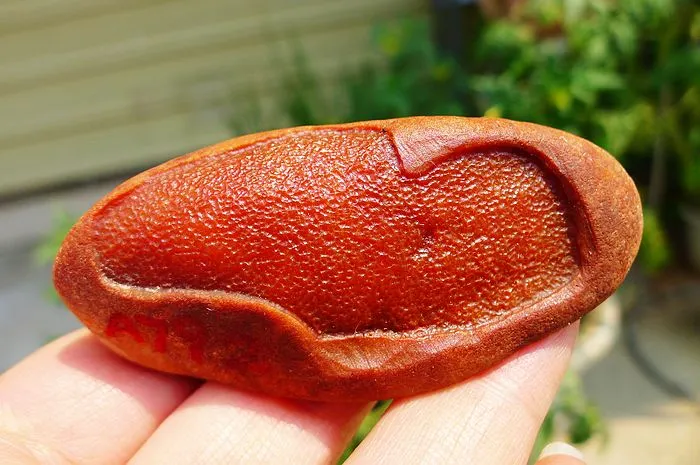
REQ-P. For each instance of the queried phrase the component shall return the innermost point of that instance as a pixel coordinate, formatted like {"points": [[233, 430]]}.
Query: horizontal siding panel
{"points": [[152, 19], [127, 84], [191, 81], [137, 144], [115, 148], [134, 49], [26, 15]]}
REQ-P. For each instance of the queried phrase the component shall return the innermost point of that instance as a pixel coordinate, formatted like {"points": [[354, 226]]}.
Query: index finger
{"points": [[492, 418]]}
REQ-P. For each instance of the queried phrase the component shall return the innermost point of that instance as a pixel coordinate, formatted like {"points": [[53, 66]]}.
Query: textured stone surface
{"points": [[327, 233], [359, 261]]}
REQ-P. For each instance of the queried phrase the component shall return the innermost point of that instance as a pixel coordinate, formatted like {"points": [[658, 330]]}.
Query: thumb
{"points": [[560, 453]]}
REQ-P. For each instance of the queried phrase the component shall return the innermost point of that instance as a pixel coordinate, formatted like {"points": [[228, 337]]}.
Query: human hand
{"points": [[75, 402]]}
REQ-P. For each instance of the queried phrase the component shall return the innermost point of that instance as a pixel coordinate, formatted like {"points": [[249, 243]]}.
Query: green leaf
{"points": [[45, 252], [503, 40], [691, 171], [599, 79], [654, 251], [695, 27], [560, 98], [583, 425], [621, 128], [574, 10], [624, 36], [648, 14], [572, 410], [546, 12], [366, 426], [682, 66]]}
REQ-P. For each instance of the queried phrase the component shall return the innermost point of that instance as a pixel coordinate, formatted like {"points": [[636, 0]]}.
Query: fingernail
{"points": [[561, 448]]}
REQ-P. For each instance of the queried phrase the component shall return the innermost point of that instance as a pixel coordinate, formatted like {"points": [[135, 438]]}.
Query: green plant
{"points": [[410, 78], [46, 250], [572, 412], [654, 251], [623, 74], [367, 424]]}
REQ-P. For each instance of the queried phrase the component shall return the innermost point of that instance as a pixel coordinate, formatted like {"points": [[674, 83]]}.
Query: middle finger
{"points": [[219, 424]]}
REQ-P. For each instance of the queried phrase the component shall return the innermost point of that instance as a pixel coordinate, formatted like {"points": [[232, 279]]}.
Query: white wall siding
{"points": [[93, 86]]}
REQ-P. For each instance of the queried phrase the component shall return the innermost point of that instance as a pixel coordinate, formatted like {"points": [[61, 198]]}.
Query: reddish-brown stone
{"points": [[353, 262]]}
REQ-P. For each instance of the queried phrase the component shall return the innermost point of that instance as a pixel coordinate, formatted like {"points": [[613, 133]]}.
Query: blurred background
{"points": [[94, 91]]}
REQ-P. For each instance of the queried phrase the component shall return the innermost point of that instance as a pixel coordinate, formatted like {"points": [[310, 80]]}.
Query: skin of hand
{"points": [[75, 402]]}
